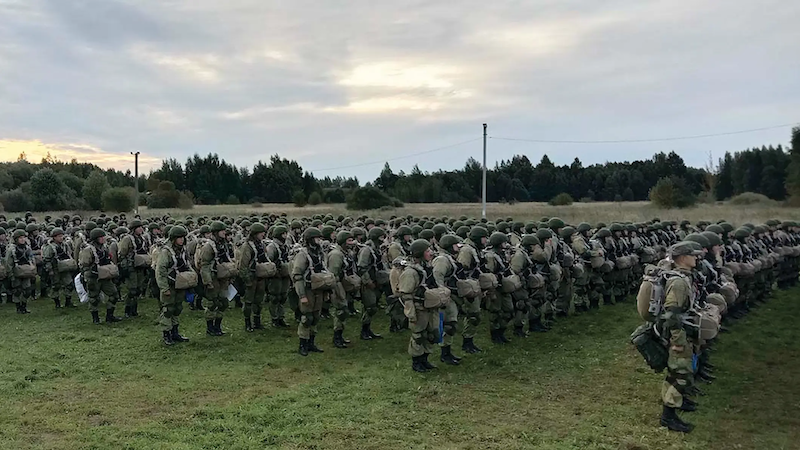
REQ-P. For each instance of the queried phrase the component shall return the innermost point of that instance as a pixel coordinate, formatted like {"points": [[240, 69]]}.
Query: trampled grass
{"points": [[67, 384]]}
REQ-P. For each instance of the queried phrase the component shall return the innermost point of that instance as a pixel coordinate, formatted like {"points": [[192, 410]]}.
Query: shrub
{"points": [[166, 196], [314, 198], [586, 200], [299, 199], [751, 198], [369, 197], [672, 192], [15, 201], [256, 205], [617, 198], [562, 199], [232, 200], [47, 191], [119, 199], [96, 183], [185, 200], [335, 196]]}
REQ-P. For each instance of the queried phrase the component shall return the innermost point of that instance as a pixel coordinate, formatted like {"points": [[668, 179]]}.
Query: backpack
{"points": [[652, 291]]}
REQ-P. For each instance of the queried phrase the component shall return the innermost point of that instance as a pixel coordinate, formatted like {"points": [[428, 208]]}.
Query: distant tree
{"points": [[93, 189]]}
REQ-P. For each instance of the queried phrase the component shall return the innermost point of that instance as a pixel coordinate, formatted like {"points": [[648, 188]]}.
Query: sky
{"points": [[343, 86]]}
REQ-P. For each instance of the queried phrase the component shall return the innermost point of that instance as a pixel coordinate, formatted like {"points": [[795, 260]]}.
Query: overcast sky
{"points": [[338, 83]]}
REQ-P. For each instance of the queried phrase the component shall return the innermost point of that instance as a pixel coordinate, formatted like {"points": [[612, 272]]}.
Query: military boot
{"points": [[111, 318], [95, 317], [495, 339], [594, 303], [325, 313], [372, 334], [365, 332], [23, 308], [688, 405], [68, 303], [303, 349], [417, 365], [257, 323], [426, 363], [338, 340], [312, 346], [469, 346], [57, 301], [519, 331], [168, 338], [210, 330], [447, 357], [128, 313], [537, 327], [670, 419], [501, 334], [607, 300], [135, 309], [280, 323], [248, 326], [176, 336], [218, 326], [703, 375]]}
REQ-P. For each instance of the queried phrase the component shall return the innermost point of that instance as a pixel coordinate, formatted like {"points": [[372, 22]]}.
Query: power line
{"points": [[382, 161], [628, 141]]}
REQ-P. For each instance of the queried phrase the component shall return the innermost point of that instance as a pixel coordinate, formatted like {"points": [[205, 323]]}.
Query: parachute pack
{"points": [[652, 291]]}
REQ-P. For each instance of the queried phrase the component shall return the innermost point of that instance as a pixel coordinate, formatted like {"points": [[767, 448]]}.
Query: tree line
{"points": [[56, 185]]}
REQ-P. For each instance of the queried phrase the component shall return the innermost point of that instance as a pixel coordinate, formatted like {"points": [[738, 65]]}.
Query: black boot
{"points": [[670, 419], [688, 405], [365, 332], [303, 349], [519, 331], [417, 365], [218, 326], [536, 326], [426, 363], [469, 346], [68, 303], [495, 339], [168, 338], [705, 376], [393, 327], [176, 336], [210, 329], [135, 310], [128, 314], [312, 346], [257, 323], [23, 308], [325, 314], [594, 303], [57, 301], [447, 357], [338, 341], [95, 318], [111, 318], [606, 300], [247, 325], [501, 334]]}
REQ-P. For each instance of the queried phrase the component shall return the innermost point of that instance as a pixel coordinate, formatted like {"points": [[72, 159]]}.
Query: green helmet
{"points": [[18, 234], [135, 223], [529, 240], [615, 227], [327, 231], [257, 228], [176, 232], [415, 230], [56, 232], [90, 225], [217, 226], [376, 233], [502, 227], [603, 233], [699, 238], [517, 227], [358, 231], [96, 234], [497, 239], [119, 231], [555, 223], [543, 234], [343, 236], [727, 227], [278, 230], [759, 230], [713, 238], [715, 229], [567, 233], [530, 227], [403, 231], [476, 233], [31, 228], [741, 233], [427, 234], [419, 247], [448, 241], [439, 230], [462, 231], [583, 227], [311, 233], [749, 226]]}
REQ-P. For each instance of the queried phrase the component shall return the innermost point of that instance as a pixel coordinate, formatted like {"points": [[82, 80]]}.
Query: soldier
{"points": [[397, 251], [307, 262], [94, 256], [37, 242], [135, 262], [278, 287], [251, 253], [499, 304], [368, 265], [61, 267], [444, 272], [172, 260], [217, 269], [469, 257], [529, 299], [21, 270], [203, 235], [679, 291], [340, 263], [5, 279], [414, 281]]}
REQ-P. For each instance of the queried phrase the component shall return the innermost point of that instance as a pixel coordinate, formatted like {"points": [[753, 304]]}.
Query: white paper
{"points": [[231, 292]]}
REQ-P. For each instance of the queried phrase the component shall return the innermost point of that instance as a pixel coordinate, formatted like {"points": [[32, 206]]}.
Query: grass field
{"points": [[67, 384]]}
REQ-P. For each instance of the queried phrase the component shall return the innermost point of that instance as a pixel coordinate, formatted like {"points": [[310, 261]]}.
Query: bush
{"points": [[369, 197], [47, 192], [335, 196], [562, 199], [185, 200], [751, 198], [314, 198], [672, 192], [299, 199], [166, 196], [586, 200], [256, 205], [232, 200], [617, 198], [15, 201], [96, 183], [119, 199]]}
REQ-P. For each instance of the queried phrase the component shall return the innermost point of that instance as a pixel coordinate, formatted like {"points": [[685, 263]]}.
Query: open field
{"points": [[67, 384], [578, 212]]}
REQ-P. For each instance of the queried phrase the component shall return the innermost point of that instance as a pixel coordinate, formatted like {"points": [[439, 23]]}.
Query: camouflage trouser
{"points": [[564, 300], [394, 309], [253, 298], [450, 320], [369, 298], [310, 313], [171, 303], [45, 280], [537, 304], [63, 282], [424, 325], [217, 301], [277, 292], [340, 308], [471, 310], [501, 309], [522, 304], [619, 284], [137, 285], [679, 376], [94, 287], [5, 289], [22, 290]]}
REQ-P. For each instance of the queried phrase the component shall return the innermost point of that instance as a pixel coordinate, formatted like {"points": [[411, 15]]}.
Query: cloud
{"points": [[35, 151]]}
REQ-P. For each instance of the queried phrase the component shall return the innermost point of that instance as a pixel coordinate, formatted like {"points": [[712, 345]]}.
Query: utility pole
{"points": [[136, 178], [483, 211]]}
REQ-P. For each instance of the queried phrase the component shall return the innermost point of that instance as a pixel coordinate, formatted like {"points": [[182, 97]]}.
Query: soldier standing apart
{"points": [[21, 269], [172, 260], [424, 322], [135, 260], [93, 257], [61, 267], [217, 269], [679, 294], [252, 253], [310, 260]]}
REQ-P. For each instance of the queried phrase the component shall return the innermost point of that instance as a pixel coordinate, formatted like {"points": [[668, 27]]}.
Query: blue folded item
{"points": [[190, 298], [441, 328], [694, 363]]}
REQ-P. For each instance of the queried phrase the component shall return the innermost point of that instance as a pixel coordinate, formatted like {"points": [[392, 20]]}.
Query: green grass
{"points": [[66, 384]]}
